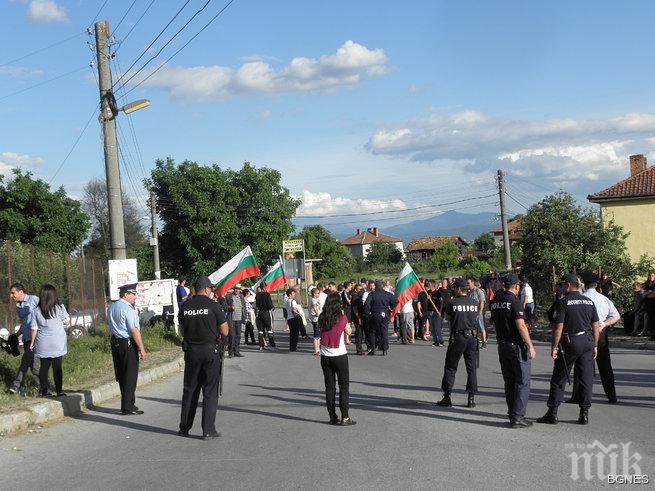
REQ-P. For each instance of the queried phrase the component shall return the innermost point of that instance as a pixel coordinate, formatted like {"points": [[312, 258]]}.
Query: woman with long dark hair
{"points": [[49, 338], [334, 357]]}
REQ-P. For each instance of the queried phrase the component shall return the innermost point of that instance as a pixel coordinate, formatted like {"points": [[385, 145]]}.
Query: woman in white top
{"points": [[49, 338], [294, 320]]}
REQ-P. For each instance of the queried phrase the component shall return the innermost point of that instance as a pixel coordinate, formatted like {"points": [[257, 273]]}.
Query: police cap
{"points": [[570, 278], [511, 279], [203, 282], [127, 288], [460, 283], [590, 277]]}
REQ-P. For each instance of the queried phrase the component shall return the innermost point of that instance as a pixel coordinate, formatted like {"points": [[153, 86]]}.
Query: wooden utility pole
{"points": [[503, 219]]}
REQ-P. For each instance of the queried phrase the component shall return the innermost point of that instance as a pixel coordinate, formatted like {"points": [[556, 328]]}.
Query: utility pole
{"points": [[108, 112], [503, 218], [154, 240]]}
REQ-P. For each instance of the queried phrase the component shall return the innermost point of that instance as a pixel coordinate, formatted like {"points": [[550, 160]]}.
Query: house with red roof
{"points": [[359, 244]]}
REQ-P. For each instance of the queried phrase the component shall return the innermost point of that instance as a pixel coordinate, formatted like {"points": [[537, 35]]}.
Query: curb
{"points": [[615, 342], [75, 402]]}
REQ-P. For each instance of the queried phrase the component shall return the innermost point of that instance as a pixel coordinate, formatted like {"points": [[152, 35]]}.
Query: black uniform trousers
{"points": [[265, 328], [125, 355], [516, 366], [604, 369], [360, 333], [250, 332], [202, 370], [461, 345], [378, 331], [579, 353], [295, 323]]}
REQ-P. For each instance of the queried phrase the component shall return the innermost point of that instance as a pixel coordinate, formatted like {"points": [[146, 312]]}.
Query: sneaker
{"points": [[440, 345], [13, 389], [484, 345], [348, 422], [23, 392]]}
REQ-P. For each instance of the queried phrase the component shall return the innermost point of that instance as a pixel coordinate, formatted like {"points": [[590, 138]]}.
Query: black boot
{"points": [[471, 401], [550, 417], [583, 419], [445, 402]]}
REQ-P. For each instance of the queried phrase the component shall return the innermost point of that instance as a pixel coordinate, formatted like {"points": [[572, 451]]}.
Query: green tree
{"points": [[559, 233], [445, 257], [485, 244], [33, 214], [474, 267], [336, 261], [382, 253], [210, 213]]}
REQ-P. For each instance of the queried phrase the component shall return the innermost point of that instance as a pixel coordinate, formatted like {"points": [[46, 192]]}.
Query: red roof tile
{"points": [[641, 185], [432, 243], [368, 237]]}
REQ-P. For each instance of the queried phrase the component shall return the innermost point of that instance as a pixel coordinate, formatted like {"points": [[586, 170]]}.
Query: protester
{"points": [[293, 319], [407, 323], [249, 300], [334, 358], [527, 299], [359, 321], [264, 306], [478, 295], [182, 292], [314, 312], [48, 340], [237, 317], [25, 305]]}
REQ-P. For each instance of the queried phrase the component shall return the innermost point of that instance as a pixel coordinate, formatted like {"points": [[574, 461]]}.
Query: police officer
{"points": [[377, 308], [515, 350], [577, 329], [462, 312], [607, 316], [126, 346], [203, 326]]}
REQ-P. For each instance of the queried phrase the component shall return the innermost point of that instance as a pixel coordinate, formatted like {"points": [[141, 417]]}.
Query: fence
{"points": [[80, 282]]}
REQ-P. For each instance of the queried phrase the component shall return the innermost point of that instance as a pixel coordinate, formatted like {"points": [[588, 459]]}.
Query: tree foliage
{"points": [[557, 232], [336, 260], [485, 244], [383, 253], [445, 257], [210, 213], [33, 214], [94, 203]]}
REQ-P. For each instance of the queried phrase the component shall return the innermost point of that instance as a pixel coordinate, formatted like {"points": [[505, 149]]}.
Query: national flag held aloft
{"points": [[237, 269]]}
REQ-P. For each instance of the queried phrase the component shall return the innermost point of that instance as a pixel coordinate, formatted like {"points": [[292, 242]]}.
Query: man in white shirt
{"points": [[407, 323], [527, 300]]}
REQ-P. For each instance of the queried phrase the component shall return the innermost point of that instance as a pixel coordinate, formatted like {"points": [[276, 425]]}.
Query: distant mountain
{"points": [[466, 225]]}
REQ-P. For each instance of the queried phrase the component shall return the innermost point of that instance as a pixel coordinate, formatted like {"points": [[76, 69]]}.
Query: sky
{"points": [[365, 107]]}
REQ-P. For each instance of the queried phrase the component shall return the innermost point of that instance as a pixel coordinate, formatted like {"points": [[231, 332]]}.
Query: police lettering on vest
{"points": [[505, 310], [200, 318]]}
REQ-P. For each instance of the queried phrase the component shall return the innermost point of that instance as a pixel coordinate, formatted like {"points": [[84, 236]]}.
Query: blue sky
{"points": [[362, 106]]}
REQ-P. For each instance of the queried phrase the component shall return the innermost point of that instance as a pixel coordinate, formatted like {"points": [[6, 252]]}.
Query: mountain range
{"points": [[466, 225]]}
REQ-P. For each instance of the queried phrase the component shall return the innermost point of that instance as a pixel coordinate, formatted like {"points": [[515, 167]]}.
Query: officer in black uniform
{"points": [[203, 327], [264, 320], [462, 312], [377, 308], [578, 330], [515, 350]]}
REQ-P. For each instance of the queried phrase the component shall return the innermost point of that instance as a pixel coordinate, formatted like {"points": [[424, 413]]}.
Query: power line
{"points": [[120, 43], [77, 140], [184, 45], [124, 15], [6, 96], [395, 211], [515, 200], [167, 43], [100, 10], [153, 42], [40, 50]]}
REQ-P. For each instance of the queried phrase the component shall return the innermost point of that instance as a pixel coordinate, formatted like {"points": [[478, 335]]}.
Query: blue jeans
{"points": [[436, 322]]}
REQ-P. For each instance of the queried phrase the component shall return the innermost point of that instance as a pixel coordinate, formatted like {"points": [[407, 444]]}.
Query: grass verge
{"points": [[88, 363]]}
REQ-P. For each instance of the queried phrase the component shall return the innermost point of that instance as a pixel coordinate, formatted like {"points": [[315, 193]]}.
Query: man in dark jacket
{"points": [[377, 308]]}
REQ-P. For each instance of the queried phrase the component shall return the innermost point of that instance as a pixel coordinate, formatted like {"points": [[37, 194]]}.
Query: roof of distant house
{"points": [[368, 237], [432, 243], [513, 227], [640, 185]]}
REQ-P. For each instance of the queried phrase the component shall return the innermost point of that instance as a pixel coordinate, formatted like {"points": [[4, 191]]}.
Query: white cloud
{"points": [[347, 67], [46, 11], [320, 204], [18, 71], [11, 160], [557, 149]]}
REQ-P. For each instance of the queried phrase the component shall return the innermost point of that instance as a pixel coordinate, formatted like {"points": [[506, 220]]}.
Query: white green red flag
{"points": [[237, 269], [274, 279], [408, 286]]}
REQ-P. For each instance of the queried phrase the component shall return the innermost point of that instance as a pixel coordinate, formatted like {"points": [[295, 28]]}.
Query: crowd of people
{"points": [[367, 313]]}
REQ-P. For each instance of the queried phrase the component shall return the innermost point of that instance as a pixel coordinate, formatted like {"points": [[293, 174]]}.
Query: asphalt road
{"points": [[275, 433]]}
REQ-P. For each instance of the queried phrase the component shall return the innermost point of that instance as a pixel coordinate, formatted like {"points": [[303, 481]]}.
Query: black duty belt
{"points": [[466, 332]]}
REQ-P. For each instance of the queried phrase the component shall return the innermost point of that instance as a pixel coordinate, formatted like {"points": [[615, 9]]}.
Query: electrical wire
{"points": [[220, 12], [11, 94], [153, 42], [100, 10], [77, 140], [124, 15], [120, 43], [515, 200], [167, 43], [20, 58]]}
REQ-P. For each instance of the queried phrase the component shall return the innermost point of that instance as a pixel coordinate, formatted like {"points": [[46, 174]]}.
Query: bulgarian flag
{"points": [[274, 279], [407, 287], [237, 269]]}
